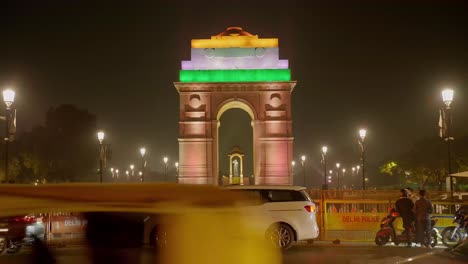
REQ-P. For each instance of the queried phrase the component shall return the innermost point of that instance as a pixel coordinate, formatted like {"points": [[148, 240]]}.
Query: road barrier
{"points": [[356, 215]]}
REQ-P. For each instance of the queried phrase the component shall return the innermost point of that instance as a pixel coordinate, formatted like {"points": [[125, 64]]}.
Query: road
{"points": [[319, 252], [350, 253]]}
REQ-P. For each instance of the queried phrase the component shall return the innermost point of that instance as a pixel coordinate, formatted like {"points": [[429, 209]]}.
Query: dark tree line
{"points": [[62, 150], [425, 165]]}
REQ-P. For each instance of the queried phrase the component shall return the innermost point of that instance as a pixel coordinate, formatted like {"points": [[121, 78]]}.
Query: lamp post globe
{"points": [[447, 96], [8, 97]]}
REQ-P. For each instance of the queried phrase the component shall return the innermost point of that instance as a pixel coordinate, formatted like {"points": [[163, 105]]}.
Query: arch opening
{"points": [[235, 137]]}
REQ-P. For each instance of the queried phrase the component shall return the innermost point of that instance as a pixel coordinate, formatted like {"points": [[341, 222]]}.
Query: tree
{"points": [[64, 150], [426, 163]]}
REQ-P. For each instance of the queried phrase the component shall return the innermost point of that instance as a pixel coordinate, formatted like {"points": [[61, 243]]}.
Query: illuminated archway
{"points": [[235, 69]]}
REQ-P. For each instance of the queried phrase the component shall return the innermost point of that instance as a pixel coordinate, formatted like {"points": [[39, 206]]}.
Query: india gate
{"points": [[235, 69]]}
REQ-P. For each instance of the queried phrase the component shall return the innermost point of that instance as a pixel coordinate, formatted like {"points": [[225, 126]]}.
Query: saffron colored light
{"points": [[235, 42]]}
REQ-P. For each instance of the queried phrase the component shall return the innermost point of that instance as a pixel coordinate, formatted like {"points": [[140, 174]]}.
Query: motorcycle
{"points": [[454, 235], [387, 231], [16, 232]]}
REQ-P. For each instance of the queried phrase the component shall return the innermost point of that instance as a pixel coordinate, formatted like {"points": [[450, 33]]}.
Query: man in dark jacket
{"points": [[404, 206], [423, 210]]}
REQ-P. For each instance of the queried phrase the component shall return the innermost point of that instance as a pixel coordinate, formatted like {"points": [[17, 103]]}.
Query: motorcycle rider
{"points": [[422, 209], [404, 207]]}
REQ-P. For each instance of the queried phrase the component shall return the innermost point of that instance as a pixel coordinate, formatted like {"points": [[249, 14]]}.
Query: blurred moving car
{"points": [[291, 212], [18, 231], [202, 223]]}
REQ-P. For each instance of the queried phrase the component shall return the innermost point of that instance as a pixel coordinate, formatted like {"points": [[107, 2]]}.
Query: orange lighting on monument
{"points": [[235, 37]]}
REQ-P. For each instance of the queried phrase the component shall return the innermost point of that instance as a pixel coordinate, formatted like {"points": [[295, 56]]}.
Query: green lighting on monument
{"points": [[256, 75]]}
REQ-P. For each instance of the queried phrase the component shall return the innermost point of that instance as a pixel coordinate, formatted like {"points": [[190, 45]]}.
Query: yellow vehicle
{"points": [[201, 224]]}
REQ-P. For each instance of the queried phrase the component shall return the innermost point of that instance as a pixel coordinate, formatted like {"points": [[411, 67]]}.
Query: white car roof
{"points": [[265, 187]]}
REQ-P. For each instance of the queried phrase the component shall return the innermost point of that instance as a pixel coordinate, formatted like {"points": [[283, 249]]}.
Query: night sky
{"points": [[381, 66]]}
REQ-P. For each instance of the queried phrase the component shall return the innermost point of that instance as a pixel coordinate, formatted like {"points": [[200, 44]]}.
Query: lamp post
{"points": [[143, 163], [362, 136], [165, 159], [132, 167], [9, 99], [344, 171], [338, 175], [112, 172], [303, 159], [447, 97], [176, 164], [293, 164], [128, 174], [324, 160], [100, 136], [117, 173]]}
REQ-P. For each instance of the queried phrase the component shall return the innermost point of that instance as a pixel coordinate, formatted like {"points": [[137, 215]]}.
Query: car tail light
{"points": [[310, 208], [24, 219]]}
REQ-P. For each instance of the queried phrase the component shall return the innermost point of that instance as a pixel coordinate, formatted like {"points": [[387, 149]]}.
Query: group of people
{"points": [[414, 210]]}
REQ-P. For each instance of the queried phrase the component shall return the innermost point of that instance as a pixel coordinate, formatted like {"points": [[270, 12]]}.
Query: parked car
{"points": [[202, 223], [290, 211]]}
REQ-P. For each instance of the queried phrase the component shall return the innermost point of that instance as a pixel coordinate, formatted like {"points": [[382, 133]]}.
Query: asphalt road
{"points": [[351, 253], [319, 252]]}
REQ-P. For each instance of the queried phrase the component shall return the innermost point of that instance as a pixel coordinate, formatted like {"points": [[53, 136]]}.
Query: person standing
{"points": [[404, 207], [423, 209]]}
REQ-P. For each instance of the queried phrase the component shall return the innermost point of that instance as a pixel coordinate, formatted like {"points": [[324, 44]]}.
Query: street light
{"points": [[338, 175], [128, 174], [9, 99], [445, 123], [176, 164], [293, 164], [117, 173], [303, 159], [165, 159], [132, 167], [362, 135], [353, 169], [324, 160], [344, 171], [100, 136], [112, 172], [143, 164]]}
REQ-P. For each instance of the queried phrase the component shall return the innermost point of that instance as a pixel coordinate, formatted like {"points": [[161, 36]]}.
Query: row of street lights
{"points": [[362, 136], [141, 173]]}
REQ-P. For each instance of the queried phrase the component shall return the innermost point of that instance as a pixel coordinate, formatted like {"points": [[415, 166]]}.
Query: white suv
{"points": [[289, 210]]}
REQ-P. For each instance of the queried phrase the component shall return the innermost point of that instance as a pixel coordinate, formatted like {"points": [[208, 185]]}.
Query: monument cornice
{"points": [[234, 86]]}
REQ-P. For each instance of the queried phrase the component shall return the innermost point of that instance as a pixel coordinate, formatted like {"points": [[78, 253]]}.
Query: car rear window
{"points": [[285, 196]]}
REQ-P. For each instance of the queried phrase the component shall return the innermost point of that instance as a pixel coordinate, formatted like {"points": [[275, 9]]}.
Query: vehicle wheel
{"points": [[433, 239], [282, 236], [381, 240], [13, 249], [447, 234], [3, 245], [158, 237]]}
